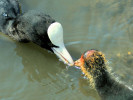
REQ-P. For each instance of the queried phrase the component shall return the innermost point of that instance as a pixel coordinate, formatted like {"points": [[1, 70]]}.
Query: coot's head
{"points": [[92, 64], [9, 10], [92, 61]]}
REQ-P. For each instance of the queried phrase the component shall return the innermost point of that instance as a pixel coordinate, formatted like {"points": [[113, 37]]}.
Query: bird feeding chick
{"points": [[33, 26], [92, 64]]}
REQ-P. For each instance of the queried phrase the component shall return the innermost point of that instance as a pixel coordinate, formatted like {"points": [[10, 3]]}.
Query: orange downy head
{"points": [[81, 63], [91, 56]]}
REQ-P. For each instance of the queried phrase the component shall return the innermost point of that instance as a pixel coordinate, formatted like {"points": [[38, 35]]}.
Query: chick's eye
{"points": [[5, 15]]}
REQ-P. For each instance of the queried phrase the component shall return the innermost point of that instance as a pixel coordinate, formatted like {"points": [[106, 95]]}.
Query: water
{"points": [[28, 72]]}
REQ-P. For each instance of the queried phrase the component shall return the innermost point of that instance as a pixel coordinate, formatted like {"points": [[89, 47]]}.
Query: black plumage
{"points": [[33, 26], [24, 27], [93, 65]]}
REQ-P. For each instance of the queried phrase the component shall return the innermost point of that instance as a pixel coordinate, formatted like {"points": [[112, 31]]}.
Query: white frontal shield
{"points": [[55, 33]]}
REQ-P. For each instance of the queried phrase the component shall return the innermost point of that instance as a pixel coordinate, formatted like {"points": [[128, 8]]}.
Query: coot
{"points": [[33, 26], [92, 63]]}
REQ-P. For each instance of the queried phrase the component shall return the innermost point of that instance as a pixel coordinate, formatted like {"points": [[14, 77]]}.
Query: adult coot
{"points": [[33, 26]]}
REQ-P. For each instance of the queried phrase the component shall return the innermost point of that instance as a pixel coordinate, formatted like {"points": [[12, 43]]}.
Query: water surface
{"points": [[28, 72]]}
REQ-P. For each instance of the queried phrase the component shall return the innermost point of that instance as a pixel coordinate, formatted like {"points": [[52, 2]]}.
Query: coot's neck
{"points": [[108, 88], [102, 80]]}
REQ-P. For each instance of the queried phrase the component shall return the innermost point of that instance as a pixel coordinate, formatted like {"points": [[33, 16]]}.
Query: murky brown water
{"points": [[27, 72]]}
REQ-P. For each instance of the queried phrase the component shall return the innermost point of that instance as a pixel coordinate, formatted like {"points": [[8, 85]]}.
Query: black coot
{"points": [[33, 26]]}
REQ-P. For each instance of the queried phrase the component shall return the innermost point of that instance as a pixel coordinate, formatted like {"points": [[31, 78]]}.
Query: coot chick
{"points": [[92, 64], [33, 26]]}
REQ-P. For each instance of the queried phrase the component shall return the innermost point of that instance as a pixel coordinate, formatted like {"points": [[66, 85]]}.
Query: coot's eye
{"points": [[5, 15]]}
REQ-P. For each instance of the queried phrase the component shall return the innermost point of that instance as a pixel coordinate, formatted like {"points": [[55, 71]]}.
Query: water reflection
{"points": [[122, 65], [51, 73], [38, 62]]}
